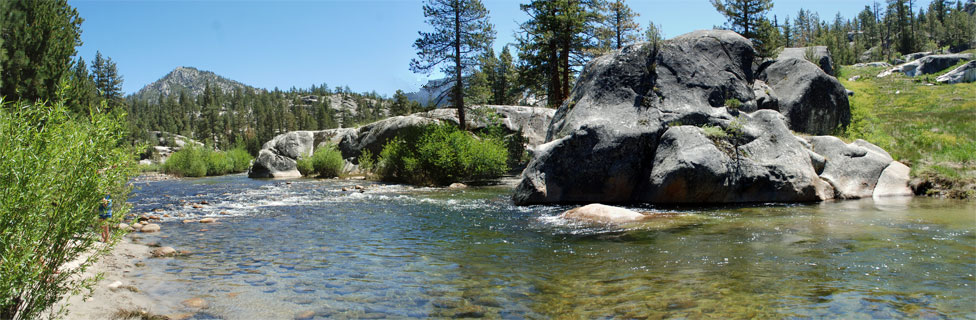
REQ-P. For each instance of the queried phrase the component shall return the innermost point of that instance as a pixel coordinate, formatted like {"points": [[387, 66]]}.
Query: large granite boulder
{"points": [[651, 125], [927, 64], [812, 101], [963, 74], [278, 157], [819, 55]]}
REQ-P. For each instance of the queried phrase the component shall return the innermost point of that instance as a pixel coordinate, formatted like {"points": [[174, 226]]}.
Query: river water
{"points": [[304, 247]]}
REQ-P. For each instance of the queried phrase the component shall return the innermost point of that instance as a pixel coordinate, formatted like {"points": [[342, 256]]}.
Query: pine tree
{"points": [[461, 34], [504, 89], [38, 40], [618, 27], [553, 43], [744, 16], [653, 33], [82, 93], [107, 79]]}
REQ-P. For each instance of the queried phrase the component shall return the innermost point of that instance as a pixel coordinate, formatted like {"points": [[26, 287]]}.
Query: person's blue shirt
{"points": [[105, 209]]}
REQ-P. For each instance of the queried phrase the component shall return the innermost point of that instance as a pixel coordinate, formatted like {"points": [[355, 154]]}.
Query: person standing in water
{"points": [[104, 213]]}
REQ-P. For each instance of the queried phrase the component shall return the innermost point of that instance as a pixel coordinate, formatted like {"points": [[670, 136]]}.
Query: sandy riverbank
{"points": [[119, 289]]}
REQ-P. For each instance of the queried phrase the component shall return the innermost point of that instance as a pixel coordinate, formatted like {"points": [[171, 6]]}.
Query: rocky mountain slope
{"points": [[191, 79]]}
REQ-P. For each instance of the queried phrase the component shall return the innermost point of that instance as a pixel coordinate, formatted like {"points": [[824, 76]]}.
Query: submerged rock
{"points": [[602, 213], [651, 125], [163, 252], [152, 227], [277, 158]]}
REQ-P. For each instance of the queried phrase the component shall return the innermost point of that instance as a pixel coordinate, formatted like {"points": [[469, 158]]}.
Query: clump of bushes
{"points": [[54, 170], [325, 162], [197, 161], [442, 154]]}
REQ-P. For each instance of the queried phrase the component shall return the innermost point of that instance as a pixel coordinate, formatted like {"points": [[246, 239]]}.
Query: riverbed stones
{"points": [[650, 124], [277, 158], [195, 303], [602, 214], [208, 220], [149, 228], [163, 252]]}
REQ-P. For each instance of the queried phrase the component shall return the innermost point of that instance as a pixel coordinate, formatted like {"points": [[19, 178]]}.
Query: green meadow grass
{"points": [[930, 127]]}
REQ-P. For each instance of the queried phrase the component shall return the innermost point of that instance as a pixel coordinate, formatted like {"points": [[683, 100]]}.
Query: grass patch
{"points": [[929, 127]]}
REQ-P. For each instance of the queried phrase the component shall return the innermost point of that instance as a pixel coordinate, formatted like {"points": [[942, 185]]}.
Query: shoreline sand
{"points": [[119, 287]]}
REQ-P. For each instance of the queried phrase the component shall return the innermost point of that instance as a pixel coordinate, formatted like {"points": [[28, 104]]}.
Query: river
{"points": [[304, 247]]}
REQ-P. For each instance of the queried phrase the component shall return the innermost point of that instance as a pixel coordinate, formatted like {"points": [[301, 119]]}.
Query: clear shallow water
{"points": [[280, 250]]}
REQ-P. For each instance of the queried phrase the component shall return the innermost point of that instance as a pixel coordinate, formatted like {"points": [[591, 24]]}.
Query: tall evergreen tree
{"points": [[504, 89], [744, 16], [618, 28], [82, 93], [553, 43], [39, 39], [107, 79], [461, 34]]}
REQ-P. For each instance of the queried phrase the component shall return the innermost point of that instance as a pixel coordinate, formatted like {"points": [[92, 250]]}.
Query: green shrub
{"points": [[196, 161], [54, 170], [240, 159], [733, 104], [366, 163], [191, 161], [325, 162], [442, 155]]}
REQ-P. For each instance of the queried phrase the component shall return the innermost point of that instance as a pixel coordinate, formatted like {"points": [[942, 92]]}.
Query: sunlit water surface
{"points": [[283, 249]]}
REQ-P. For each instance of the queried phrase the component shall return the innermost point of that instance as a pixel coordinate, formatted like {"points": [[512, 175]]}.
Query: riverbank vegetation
{"points": [[325, 162], [927, 126], [442, 154], [63, 147], [55, 167], [197, 161]]}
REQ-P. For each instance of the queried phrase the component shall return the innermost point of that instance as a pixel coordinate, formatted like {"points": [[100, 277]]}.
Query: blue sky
{"points": [[364, 44]]}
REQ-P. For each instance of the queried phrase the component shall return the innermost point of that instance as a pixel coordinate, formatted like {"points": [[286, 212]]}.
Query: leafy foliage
{"points": [[325, 162], [442, 154], [196, 161], [54, 170]]}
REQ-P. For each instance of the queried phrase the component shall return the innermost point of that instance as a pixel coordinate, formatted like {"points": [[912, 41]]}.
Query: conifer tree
{"points": [[38, 41], [744, 16], [461, 34], [618, 27], [107, 79]]}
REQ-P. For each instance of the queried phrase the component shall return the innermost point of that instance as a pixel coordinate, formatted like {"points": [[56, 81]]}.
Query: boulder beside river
{"points": [[278, 157], [648, 124]]}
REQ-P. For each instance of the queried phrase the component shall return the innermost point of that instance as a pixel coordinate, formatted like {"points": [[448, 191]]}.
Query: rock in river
{"points": [[602, 213], [650, 124]]}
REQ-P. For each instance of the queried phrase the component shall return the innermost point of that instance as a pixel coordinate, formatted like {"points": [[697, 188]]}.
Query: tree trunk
{"points": [[458, 84]]}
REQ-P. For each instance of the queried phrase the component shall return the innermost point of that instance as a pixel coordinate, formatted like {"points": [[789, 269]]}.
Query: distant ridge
{"points": [[190, 79]]}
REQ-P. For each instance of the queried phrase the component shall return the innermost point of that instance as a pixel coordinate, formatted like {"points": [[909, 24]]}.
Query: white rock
{"points": [[602, 213]]}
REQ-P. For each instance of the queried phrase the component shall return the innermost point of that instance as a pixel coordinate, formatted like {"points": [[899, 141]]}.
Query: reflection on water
{"points": [[283, 249]]}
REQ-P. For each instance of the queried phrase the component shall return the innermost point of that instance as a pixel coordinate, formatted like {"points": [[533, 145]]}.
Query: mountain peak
{"points": [[190, 79]]}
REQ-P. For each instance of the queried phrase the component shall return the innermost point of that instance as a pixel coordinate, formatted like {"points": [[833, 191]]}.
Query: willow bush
{"points": [[443, 154], [197, 161], [325, 162], [54, 170]]}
